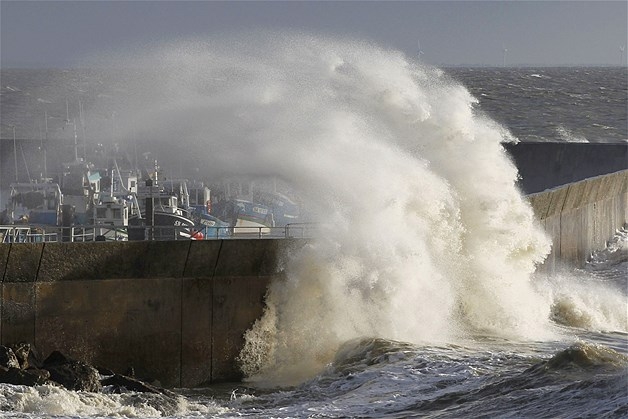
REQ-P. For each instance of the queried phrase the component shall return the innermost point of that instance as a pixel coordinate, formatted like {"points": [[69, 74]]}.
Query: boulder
{"points": [[28, 377], [72, 374], [23, 353], [121, 382], [20, 365], [8, 358]]}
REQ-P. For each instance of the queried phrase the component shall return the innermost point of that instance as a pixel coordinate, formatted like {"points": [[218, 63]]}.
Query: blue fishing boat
{"points": [[200, 206], [36, 203], [254, 206]]}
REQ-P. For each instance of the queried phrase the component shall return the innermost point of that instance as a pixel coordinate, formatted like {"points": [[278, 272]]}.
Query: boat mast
{"points": [[43, 147], [75, 141], [82, 121], [28, 173], [15, 153]]}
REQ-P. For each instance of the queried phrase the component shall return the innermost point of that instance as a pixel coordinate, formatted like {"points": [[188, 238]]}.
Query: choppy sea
{"points": [[423, 300]]}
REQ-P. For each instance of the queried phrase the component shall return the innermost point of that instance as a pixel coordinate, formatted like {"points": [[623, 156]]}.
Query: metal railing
{"points": [[25, 234], [96, 233]]}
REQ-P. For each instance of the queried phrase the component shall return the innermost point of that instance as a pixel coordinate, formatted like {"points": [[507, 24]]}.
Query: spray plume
{"points": [[424, 234]]}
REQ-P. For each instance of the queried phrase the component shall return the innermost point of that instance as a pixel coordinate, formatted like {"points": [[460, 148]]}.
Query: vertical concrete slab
{"points": [[618, 182], [244, 271], [623, 208], [242, 257], [278, 254], [237, 303], [23, 262], [540, 203], [202, 258], [601, 188], [557, 201], [196, 331], [167, 259], [552, 229], [603, 222], [590, 191], [588, 237], [569, 230], [18, 293], [574, 196], [116, 323], [4, 256], [18, 312]]}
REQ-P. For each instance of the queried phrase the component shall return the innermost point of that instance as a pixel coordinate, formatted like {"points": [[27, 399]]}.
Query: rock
{"points": [[104, 371], [72, 374], [119, 382], [20, 365], [56, 358], [29, 377], [8, 358], [130, 372], [22, 352]]}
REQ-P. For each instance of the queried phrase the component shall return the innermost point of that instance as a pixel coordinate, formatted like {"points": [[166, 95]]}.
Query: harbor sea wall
{"points": [[174, 311], [580, 217], [177, 311]]}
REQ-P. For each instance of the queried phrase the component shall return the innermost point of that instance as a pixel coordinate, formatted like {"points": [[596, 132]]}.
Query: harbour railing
{"points": [[93, 233], [25, 234]]}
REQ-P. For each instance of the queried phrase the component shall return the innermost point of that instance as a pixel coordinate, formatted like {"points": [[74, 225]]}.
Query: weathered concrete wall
{"points": [[175, 311], [582, 216]]}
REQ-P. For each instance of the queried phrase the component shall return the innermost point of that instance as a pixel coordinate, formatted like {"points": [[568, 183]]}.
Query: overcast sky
{"points": [[61, 33]]}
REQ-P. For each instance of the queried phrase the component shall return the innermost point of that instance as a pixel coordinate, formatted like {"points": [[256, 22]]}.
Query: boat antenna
{"points": [[75, 140]]}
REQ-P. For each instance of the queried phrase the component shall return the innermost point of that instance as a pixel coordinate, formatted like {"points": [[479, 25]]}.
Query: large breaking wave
{"points": [[424, 235]]}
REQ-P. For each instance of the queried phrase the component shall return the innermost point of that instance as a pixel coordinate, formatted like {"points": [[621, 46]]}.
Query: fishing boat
{"points": [[36, 203], [116, 204], [80, 186], [198, 198], [160, 216], [254, 206], [285, 210], [236, 204]]}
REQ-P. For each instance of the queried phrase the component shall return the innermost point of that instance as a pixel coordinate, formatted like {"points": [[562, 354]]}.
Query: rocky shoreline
{"points": [[20, 365]]}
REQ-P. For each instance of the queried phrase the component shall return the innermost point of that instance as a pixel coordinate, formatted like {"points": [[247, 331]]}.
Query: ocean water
{"points": [[420, 297]]}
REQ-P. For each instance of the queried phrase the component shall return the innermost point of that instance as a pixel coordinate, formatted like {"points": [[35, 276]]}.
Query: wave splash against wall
{"points": [[425, 237]]}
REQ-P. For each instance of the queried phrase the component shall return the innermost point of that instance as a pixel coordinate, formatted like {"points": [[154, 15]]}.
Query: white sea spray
{"points": [[424, 235]]}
